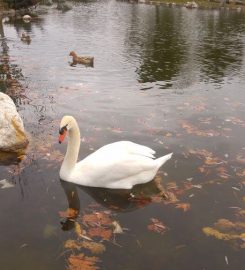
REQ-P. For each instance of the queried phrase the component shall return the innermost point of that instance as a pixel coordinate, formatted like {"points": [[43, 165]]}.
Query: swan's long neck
{"points": [[72, 148]]}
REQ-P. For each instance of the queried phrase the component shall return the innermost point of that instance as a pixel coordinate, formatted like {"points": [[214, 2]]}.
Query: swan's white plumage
{"points": [[121, 164]]}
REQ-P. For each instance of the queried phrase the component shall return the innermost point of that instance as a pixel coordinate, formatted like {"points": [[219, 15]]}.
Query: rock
{"points": [[26, 18], [63, 5], [12, 134], [191, 5]]}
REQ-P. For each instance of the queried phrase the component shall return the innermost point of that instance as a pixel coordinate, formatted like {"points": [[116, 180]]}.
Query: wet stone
{"points": [[12, 133]]}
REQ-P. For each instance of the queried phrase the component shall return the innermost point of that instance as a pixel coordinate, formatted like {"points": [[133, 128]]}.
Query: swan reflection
{"points": [[118, 200]]}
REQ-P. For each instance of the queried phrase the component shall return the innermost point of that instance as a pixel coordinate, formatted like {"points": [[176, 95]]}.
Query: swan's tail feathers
{"points": [[163, 159]]}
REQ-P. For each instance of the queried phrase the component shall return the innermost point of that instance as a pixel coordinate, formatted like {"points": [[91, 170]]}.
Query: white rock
{"points": [[12, 134], [26, 18], [192, 4]]}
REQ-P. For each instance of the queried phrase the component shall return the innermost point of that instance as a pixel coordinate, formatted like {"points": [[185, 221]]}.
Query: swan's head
{"points": [[65, 124], [72, 53]]}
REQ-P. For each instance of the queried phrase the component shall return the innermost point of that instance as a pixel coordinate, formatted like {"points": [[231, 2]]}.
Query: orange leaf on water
{"points": [[82, 262], [95, 248], [71, 244], [222, 172], [240, 159], [69, 213], [201, 153], [100, 232], [241, 173], [191, 129], [184, 206], [97, 218]]}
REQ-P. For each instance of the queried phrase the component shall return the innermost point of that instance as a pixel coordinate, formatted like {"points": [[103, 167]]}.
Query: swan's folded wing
{"points": [[103, 168], [128, 147]]}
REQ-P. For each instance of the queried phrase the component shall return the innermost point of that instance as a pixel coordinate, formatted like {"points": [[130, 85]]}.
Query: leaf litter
{"points": [[227, 230], [82, 262], [157, 226], [92, 228]]}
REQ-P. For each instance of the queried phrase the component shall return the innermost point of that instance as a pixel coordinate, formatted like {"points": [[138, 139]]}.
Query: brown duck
{"points": [[85, 60]]}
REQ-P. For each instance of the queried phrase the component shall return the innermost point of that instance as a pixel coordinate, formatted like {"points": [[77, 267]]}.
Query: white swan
{"points": [[119, 165]]}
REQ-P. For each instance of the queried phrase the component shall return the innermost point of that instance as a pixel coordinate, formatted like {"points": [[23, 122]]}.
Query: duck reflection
{"points": [[118, 200]]}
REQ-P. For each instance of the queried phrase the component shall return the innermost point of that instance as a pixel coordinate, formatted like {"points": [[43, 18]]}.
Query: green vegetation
{"points": [[204, 3], [17, 4]]}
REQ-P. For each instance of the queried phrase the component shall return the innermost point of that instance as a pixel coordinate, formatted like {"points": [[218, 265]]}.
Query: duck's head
{"points": [[72, 53], [66, 123]]}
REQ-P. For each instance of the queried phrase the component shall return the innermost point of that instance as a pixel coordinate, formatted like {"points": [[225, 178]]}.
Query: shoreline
{"points": [[198, 4], [204, 5]]}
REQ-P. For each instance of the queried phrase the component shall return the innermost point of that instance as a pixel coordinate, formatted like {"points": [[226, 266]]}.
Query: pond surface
{"points": [[169, 78]]}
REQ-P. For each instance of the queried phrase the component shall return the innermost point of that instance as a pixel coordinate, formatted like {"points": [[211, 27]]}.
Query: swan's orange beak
{"points": [[62, 132]]}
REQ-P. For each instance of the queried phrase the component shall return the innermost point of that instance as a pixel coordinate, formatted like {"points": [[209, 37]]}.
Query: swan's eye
{"points": [[62, 132]]}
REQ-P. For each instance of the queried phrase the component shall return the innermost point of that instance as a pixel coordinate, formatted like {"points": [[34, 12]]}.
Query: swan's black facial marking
{"points": [[63, 130], [62, 133]]}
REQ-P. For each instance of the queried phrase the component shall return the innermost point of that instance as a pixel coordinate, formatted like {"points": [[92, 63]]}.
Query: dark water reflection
{"points": [[189, 65]]}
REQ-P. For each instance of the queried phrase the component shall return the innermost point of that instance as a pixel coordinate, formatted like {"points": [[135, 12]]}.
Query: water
{"points": [[169, 78]]}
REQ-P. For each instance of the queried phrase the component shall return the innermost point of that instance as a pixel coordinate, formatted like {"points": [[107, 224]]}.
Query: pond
{"points": [[169, 78]]}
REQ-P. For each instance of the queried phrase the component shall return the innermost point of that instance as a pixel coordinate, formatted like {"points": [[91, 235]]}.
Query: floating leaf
{"points": [[184, 206], [171, 197], [212, 161], [241, 173], [117, 227], [116, 130], [223, 224], [171, 185], [97, 218], [235, 121], [157, 198], [190, 129], [157, 226], [69, 213], [72, 244], [240, 159], [222, 236], [82, 262], [208, 157], [222, 172], [5, 184], [201, 153], [227, 230], [100, 232], [96, 248]]}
